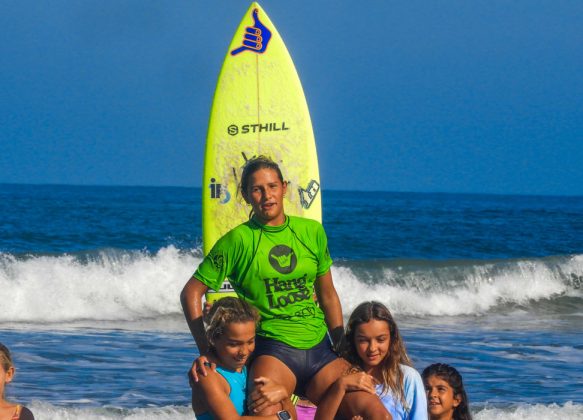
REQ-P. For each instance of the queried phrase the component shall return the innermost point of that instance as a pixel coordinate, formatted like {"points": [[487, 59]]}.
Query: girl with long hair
{"points": [[381, 366]]}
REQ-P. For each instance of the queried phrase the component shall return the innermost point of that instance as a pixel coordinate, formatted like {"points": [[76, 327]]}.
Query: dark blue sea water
{"points": [[90, 278]]}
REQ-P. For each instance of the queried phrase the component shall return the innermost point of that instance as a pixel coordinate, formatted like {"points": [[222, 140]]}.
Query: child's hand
{"points": [[358, 381], [265, 394], [199, 366]]}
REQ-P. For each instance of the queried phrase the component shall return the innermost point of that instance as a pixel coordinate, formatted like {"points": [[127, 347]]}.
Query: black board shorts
{"points": [[303, 363]]}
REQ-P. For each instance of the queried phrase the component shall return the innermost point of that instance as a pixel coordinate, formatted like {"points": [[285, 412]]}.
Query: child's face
{"points": [[236, 344], [441, 402], [5, 377], [372, 340]]}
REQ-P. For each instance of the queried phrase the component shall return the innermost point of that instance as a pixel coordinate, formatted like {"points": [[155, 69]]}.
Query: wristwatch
{"points": [[283, 415]]}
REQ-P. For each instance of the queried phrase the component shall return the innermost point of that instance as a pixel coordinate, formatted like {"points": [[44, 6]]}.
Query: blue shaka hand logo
{"points": [[256, 37]]}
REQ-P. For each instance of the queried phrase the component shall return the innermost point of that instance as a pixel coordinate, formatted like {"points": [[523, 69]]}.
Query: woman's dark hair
{"points": [[450, 375], [252, 166], [397, 354]]}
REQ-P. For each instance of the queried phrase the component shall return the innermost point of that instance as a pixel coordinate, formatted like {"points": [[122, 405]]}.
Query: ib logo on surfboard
{"points": [[256, 37], [219, 192]]}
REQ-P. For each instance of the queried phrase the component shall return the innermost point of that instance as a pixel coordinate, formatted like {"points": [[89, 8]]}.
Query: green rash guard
{"points": [[274, 269]]}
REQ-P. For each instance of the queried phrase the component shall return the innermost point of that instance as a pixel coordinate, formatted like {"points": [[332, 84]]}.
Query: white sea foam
{"points": [[109, 286], [464, 290], [537, 411], [46, 411], [133, 286]]}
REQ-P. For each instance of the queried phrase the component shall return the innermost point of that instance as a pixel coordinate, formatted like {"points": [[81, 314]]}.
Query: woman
{"points": [[275, 262], [382, 367]]}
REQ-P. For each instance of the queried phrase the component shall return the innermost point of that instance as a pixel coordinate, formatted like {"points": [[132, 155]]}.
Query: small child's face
{"points": [[5, 376], [236, 344], [441, 401]]}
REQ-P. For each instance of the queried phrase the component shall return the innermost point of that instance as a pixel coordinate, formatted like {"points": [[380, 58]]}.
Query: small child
{"points": [[446, 396], [8, 410], [222, 392]]}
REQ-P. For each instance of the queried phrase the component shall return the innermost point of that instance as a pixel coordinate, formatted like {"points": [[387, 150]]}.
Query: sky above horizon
{"points": [[422, 96]]}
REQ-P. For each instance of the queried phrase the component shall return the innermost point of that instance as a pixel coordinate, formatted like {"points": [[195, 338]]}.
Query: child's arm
{"points": [[214, 391], [415, 395], [329, 405]]}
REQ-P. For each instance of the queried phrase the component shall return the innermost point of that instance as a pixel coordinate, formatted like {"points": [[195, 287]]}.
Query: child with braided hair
{"points": [[222, 393]]}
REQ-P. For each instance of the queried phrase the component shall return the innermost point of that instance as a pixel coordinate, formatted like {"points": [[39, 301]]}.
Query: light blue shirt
{"points": [[415, 398]]}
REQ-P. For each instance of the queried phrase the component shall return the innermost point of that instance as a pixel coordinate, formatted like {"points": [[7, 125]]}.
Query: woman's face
{"points": [[441, 401], [236, 344], [265, 193], [372, 341]]}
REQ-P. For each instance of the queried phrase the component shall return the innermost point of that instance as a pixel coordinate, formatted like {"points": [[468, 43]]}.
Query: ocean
{"points": [[90, 280]]}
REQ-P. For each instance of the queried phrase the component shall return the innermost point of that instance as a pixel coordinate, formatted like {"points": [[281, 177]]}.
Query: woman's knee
{"points": [[363, 404]]}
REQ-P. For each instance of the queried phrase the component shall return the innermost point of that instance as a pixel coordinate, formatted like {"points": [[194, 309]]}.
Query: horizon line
{"points": [[504, 194]]}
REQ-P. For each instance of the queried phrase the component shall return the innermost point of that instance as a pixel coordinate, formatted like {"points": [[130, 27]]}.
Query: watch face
{"points": [[283, 415]]}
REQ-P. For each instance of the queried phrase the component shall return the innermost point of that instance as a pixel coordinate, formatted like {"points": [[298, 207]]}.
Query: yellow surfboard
{"points": [[259, 108]]}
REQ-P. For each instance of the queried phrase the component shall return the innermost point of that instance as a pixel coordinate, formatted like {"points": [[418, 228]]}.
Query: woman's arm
{"points": [[330, 304], [328, 406], [191, 300]]}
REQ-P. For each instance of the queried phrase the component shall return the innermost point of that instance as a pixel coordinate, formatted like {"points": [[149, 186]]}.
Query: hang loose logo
{"points": [[283, 259], [255, 38]]}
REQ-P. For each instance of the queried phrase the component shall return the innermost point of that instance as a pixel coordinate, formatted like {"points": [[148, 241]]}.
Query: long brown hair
{"points": [[392, 375]]}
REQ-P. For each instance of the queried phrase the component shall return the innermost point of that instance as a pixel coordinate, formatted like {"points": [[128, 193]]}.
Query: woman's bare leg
{"points": [[272, 368]]}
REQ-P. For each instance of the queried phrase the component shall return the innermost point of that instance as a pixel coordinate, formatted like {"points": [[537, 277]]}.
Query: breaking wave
{"points": [[115, 284]]}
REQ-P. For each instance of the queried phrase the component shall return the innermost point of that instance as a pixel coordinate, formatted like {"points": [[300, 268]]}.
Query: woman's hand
{"points": [[200, 366], [265, 394]]}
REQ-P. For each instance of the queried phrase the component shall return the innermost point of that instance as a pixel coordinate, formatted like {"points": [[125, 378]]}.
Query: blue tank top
{"points": [[238, 393]]}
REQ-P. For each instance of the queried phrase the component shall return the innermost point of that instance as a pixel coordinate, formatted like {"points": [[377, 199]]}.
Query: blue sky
{"points": [[444, 96]]}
